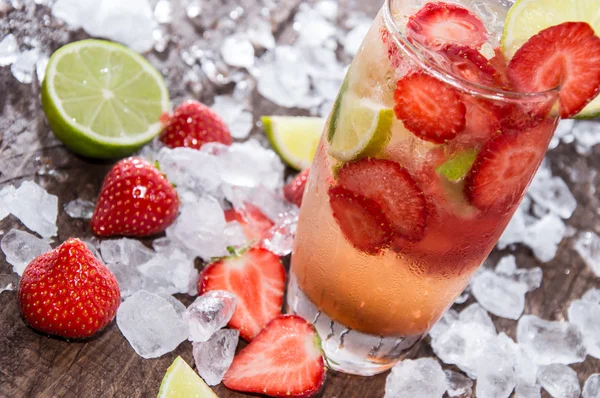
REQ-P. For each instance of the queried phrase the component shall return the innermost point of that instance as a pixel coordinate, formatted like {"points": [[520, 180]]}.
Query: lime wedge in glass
{"points": [[457, 167], [362, 128], [102, 99], [294, 138], [526, 18], [181, 381]]}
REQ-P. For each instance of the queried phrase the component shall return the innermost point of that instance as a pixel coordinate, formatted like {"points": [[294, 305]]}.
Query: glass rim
{"points": [[416, 56]]}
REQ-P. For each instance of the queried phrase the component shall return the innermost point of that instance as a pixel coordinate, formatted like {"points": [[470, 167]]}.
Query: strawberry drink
{"points": [[431, 144]]}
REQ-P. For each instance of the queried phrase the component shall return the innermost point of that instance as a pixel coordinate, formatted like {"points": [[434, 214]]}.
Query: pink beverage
{"points": [[426, 156]]}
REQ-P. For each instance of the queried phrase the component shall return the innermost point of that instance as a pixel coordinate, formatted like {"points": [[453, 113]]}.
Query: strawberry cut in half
{"points": [[257, 278], [394, 189], [254, 223], [284, 360], [438, 24], [470, 65], [504, 168], [565, 56], [361, 220], [431, 109], [294, 190]]}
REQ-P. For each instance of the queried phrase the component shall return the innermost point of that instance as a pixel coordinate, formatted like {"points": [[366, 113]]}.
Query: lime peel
{"points": [[455, 168], [181, 380]]}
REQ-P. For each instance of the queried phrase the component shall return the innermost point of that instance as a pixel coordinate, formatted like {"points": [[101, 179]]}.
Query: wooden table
{"points": [[34, 365]]}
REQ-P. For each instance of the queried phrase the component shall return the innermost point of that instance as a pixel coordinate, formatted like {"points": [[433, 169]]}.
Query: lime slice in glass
{"points": [[526, 18], [182, 381], [294, 138], [457, 167], [363, 128], [102, 99]]}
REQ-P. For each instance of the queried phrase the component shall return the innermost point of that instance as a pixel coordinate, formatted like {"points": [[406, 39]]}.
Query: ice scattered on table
{"points": [[214, 356], [458, 385], [280, 239], [209, 313], [591, 388], [129, 22], [8, 282], [7, 195], [163, 12], [544, 236], [554, 194], [238, 51], [9, 50], [24, 67], [21, 247], [548, 342], [587, 135], [80, 208], [151, 324], [261, 36], [559, 380], [36, 208], [587, 244], [353, 39], [418, 378], [585, 314], [232, 110], [563, 133], [592, 295]]}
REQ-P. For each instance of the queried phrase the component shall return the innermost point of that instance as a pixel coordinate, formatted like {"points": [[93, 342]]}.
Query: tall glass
{"points": [[397, 216]]}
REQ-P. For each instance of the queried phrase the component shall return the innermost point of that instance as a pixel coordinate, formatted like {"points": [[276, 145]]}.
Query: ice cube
{"points": [[261, 36], [586, 315], [587, 135], [493, 364], [7, 195], [129, 278], [23, 68], [327, 8], [170, 272], [250, 165], [442, 326], [36, 208], [527, 391], [232, 111], [190, 169], [125, 251], [270, 203], [238, 51], [549, 342], [9, 50], [475, 313], [554, 194], [40, 67], [587, 245], [280, 239], [209, 313], [80, 208], [591, 388], [234, 235], [418, 378], [592, 295], [21, 247], [531, 277], [563, 130], [163, 12], [559, 380], [515, 231], [214, 356], [353, 39], [458, 385], [151, 324], [500, 296], [312, 27], [544, 236]]}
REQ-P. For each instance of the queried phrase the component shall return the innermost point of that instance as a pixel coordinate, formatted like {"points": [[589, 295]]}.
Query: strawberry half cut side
{"points": [[361, 220], [438, 24], [394, 189], [254, 223], [470, 65], [429, 108], [284, 360], [257, 278], [565, 56]]}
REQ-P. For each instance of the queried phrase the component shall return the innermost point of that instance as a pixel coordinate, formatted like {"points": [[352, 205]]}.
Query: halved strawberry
{"points": [[393, 188], [254, 223], [438, 24], [429, 108], [504, 168], [284, 360], [257, 278], [361, 220], [392, 51], [294, 190], [565, 56], [469, 64]]}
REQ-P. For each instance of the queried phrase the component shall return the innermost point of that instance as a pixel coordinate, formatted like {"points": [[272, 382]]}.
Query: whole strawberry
{"points": [[68, 292], [294, 190], [136, 199], [192, 125]]}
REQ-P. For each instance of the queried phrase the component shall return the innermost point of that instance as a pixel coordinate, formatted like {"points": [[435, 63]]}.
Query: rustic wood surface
{"points": [[35, 365]]}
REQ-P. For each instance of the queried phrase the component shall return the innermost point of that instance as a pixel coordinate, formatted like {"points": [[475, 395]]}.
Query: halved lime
{"points": [[102, 99], [181, 381], [294, 138], [528, 17], [363, 128]]}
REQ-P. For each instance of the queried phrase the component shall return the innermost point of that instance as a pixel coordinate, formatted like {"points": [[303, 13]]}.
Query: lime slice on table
{"points": [[181, 381], [294, 138], [363, 128], [528, 17], [102, 99]]}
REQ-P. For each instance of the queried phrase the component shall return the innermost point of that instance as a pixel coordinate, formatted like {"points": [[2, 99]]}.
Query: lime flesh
{"points": [[181, 381], [103, 100]]}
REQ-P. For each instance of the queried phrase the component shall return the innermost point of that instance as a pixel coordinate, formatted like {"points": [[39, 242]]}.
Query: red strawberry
{"points": [[68, 292], [438, 24], [136, 199], [499, 63], [505, 166], [393, 188], [429, 108], [469, 64], [254, 223], [284, 360], [392, 51], [294, 190], [361, 220], [192, 125], [257, 278], [565, 56]]}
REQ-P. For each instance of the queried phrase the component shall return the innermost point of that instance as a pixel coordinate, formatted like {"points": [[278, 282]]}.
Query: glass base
{"points": [[347, 350]]}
